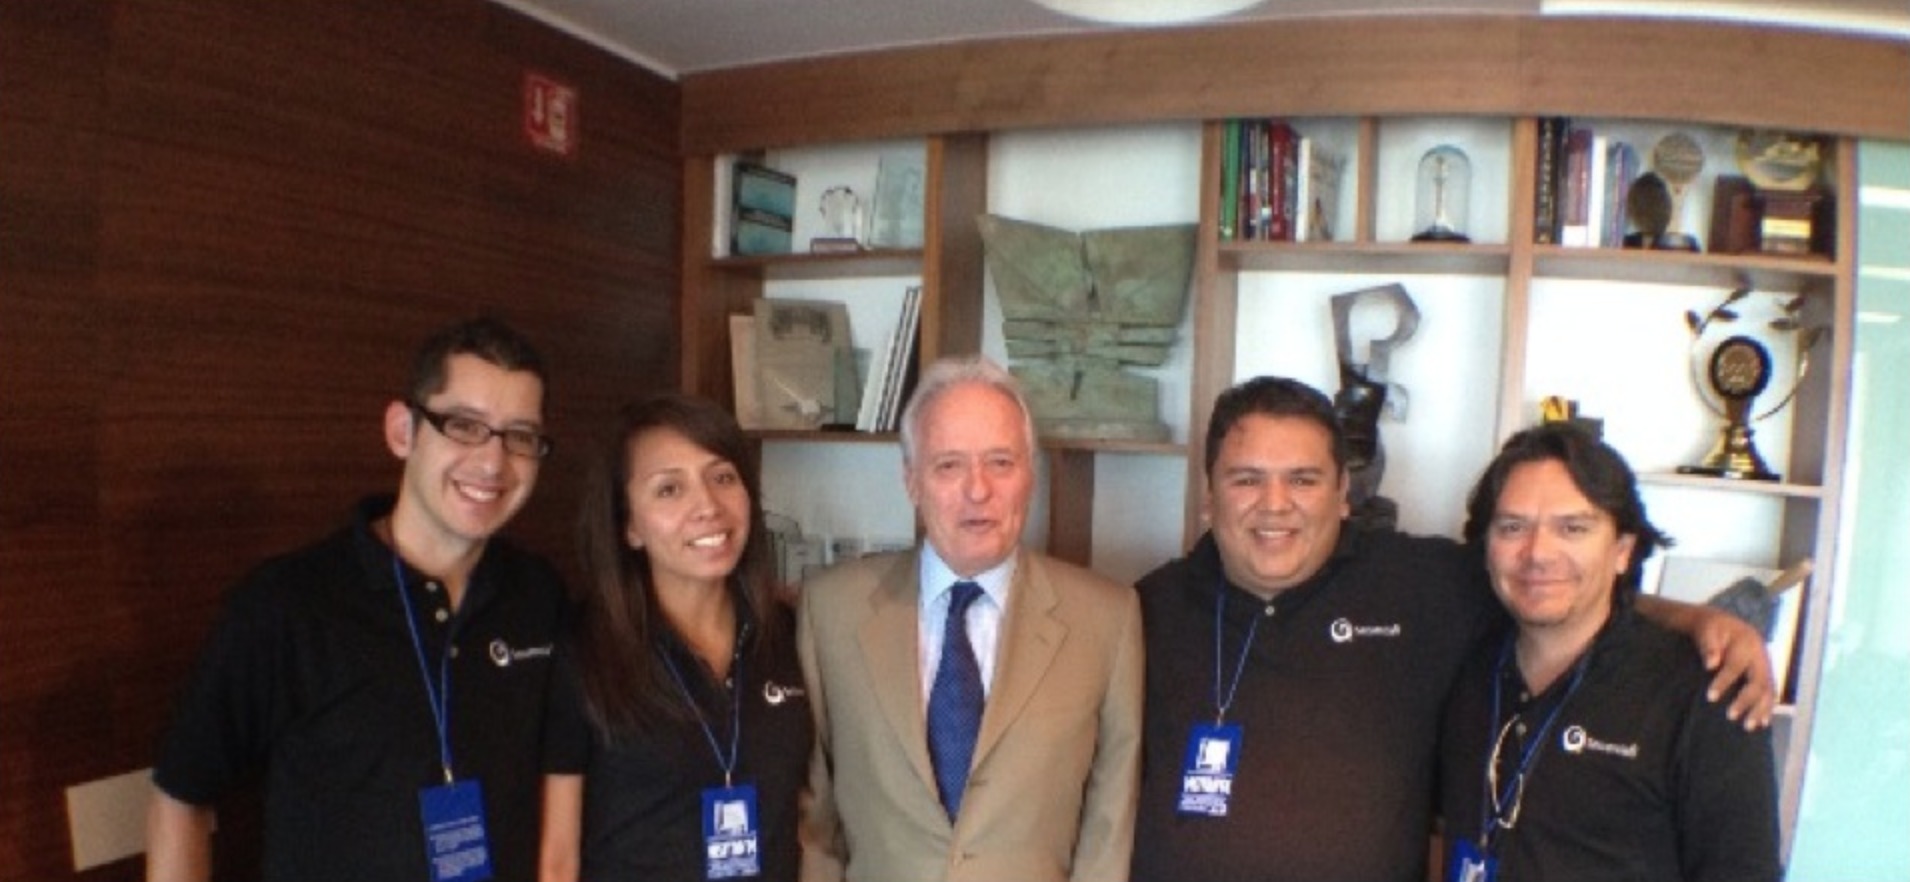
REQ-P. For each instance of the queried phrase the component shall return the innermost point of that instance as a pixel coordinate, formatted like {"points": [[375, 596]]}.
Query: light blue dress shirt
{"points": [[984, 616]]}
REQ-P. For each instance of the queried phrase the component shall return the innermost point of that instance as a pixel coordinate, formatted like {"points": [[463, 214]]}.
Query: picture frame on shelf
{"points": [[1762, 592], [763, 210], [800, 349]]}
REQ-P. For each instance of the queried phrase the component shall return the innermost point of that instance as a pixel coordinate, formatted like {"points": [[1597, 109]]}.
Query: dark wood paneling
{"points": [[52, 87], [1348, 66], [227, 224]]}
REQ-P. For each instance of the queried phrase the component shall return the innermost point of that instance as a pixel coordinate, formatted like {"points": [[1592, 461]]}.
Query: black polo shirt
{"points": [[310, 679], [1339, 705], [1639, 777], [643, 792]]}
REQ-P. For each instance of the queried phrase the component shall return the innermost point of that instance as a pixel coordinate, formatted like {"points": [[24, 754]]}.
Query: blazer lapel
{"points": [[889, 650], [1031, 637]]}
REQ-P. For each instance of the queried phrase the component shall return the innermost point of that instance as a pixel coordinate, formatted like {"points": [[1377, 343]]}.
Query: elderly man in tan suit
{"points": [[1000, 744]]}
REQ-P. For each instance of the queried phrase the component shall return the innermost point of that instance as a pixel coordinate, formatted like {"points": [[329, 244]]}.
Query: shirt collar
{"points": [[937, 578], [376, 556], [1206, 557]]}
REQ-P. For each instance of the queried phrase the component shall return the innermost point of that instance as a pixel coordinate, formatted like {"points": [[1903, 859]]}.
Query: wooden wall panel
{"points": [[227, 225], [1348, 66], [52, 86]]}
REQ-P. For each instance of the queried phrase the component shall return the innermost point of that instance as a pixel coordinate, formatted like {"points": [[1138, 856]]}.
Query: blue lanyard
{"points": [[440, 701], [1501, 810], [726, 760], [1225, 700]]}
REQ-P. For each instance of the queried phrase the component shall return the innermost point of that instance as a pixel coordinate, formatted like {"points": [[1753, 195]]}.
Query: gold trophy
{"points": [[1736, 371]]}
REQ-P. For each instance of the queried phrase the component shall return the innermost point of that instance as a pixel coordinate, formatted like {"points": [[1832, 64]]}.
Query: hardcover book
{"points": [[1575, 183], [1621, 169], [1545, 217], [1319, 194], [1283, 145]]}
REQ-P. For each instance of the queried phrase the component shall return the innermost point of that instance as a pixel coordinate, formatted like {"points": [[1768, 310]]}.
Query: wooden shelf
{"points": [[865, 264], [1760, 272], [1399, 257], [1732, 485], [1102, 445], [819, 436], [1089, 445]]}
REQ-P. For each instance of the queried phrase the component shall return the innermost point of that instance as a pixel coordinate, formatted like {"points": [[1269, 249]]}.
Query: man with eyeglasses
{"points": [[1579, 744], [385, 685]]}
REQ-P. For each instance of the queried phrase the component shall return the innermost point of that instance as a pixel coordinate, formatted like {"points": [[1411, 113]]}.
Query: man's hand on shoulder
{"points": [[1735, 653]]}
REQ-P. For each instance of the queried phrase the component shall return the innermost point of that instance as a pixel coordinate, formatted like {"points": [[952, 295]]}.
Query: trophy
{"points": [[1676, 161], [1364, 394], [1445, 183], [1736, 370], [841, 223]]}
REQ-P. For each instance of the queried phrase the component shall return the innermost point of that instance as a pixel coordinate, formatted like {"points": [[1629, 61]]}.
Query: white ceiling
{"points": [[675, 37]]}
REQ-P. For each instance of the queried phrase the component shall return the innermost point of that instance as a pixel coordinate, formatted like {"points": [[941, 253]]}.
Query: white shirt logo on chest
{"points": [[1343, 630], [1575, 740]]}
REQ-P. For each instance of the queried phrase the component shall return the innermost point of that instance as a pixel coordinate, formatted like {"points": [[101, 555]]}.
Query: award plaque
{"points": [[1445, 183], [1676, 161], [1779, 160], [1735, 371], [1793, 213]]}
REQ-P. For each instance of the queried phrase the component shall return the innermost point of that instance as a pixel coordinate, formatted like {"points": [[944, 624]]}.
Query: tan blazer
{"points": [[1051, 794]]}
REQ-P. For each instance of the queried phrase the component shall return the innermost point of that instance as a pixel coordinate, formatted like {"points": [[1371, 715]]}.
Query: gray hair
{"points": [[956, 370]]}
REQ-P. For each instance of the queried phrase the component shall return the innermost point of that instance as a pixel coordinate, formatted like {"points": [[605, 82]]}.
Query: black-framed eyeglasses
{"points": [[473, 432]]}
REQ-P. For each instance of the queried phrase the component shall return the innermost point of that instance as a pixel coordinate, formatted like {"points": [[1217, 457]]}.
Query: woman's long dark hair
{"points": [[625, 685]]}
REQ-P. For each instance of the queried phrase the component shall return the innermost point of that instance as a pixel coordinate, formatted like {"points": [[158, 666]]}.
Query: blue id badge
{"points": [[1207, 778], [729, 832], [455, 843], [1471, 864]]}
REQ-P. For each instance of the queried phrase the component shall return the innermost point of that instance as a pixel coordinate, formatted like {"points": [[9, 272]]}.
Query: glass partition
{"points": [[1854, 820]]}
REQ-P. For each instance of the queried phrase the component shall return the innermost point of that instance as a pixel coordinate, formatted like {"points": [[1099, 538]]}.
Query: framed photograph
{"points": [[764, 189]]}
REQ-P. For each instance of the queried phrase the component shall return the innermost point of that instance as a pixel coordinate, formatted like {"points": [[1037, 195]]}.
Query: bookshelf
{"points": [[872, 282], [1383, 86], [1600, 324]]}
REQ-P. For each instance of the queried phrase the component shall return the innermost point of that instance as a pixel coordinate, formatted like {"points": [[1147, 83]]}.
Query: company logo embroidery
{"points": [[503, 655], [775, 693], [1344, 631], [1576, 740]]}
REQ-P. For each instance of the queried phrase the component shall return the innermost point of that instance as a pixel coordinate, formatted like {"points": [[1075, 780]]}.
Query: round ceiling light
{"points": [[1147, 12]]}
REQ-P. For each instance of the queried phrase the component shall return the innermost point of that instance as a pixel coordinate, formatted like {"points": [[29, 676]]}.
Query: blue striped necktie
{"points": [[955, 702]]}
